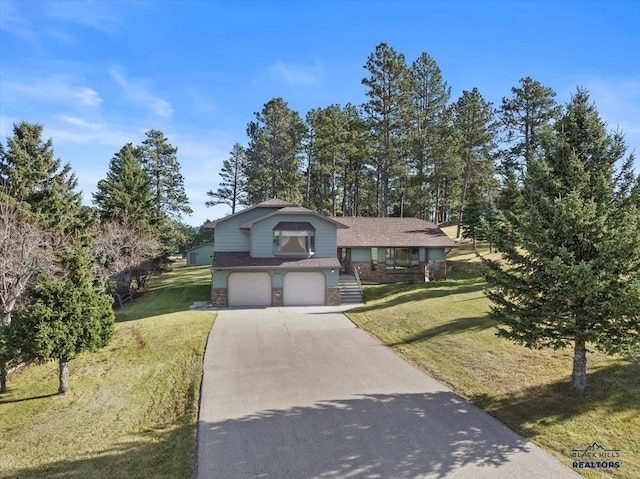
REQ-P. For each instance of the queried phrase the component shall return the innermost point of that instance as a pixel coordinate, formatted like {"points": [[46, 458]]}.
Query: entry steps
{"points": [[349, 290]]}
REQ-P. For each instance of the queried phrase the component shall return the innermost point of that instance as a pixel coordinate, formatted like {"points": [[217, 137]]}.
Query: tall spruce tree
{"points": [[160, 161], [387, 111], [30, 173], [274, 154], [476, 129], [231, 190], [573, 261], [126, 191], [64, 318]]}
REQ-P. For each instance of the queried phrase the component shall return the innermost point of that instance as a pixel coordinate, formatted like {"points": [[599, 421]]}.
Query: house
{"points": [[275, 254], [200, 255], [393, 249], [278, 254]]}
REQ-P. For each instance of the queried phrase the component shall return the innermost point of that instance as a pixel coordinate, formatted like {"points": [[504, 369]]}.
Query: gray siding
{"points": [[360, 254], [262, 236], [435, 254], [229, 236], [202, 255]]}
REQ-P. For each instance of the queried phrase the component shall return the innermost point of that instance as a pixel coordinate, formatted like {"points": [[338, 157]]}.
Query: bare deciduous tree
{"points": [[124, 253], [26, 250]]}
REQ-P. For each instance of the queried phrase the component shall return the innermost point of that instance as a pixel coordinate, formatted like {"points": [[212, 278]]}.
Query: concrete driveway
{"points": [[300, 393]]}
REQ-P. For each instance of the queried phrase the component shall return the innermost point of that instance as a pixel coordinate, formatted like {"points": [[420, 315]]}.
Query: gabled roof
{"points": [[292, 210], [200, 246], [390, 232], [272, 203]]}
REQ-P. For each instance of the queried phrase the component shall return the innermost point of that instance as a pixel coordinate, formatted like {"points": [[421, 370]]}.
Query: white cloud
{"points": [[56, 89], [297, 74], [138, 91], [95, 15], [17, 25]]}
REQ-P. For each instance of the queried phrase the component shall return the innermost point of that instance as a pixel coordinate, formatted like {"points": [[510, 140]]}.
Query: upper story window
{"points": [[294, 239]]}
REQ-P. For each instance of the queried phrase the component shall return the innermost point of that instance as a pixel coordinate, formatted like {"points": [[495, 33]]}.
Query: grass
{"points": [[465, 251], [132, 409], [442, 328]]}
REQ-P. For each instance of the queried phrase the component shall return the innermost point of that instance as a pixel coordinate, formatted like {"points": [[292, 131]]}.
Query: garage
{"points": [[249, 289], [303, 289]]}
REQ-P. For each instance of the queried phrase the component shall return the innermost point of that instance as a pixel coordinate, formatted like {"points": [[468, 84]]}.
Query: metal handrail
{"points": [[357, 275]]}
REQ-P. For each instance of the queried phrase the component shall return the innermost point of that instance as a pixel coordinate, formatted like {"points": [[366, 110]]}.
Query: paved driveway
{"points": [[300, 393]]}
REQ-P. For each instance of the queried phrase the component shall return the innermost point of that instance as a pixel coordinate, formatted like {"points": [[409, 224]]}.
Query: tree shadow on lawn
{"points": [[151, 456], [455, 326], [610, 389], [405, 293], [378, 435]]}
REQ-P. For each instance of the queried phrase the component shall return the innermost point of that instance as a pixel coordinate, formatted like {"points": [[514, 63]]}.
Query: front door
{"points": [[344, 255]]}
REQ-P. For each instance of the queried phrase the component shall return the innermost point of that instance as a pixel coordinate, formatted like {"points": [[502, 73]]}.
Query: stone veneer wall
{"points": [[219, 297], [436, 272], [332, 297], [277, 297]]}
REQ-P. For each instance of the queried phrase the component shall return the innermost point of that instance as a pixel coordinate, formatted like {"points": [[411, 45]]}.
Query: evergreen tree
{"points": [[523, 118], [573, 262], [429, 136], [231, 191], [475, 209], [387, 111], [30, 173], [64, 318], [274, 154], [126, 191], [159, 160], [476, 129]]}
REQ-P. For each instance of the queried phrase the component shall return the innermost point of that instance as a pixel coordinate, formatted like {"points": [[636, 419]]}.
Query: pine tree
{"points": [[231, 191], [475, 209], [476, 129], [387, 110], [159, 160], [64, 318], [429, 135], [523, 118], [30, 173], [573, 261], [274, 154], [126, 191]]}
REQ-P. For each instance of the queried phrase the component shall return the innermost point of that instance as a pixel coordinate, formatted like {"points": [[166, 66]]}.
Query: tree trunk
{"points": [[579, 374], [3, 378], [64, 376]]}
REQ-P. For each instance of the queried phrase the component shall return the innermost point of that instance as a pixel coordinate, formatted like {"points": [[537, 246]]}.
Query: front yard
{"points": [[132, 407], [442, 329]]}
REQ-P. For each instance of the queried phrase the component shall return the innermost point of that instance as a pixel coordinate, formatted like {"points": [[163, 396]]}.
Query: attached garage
{"points": [[303, 289], [249, 289]]}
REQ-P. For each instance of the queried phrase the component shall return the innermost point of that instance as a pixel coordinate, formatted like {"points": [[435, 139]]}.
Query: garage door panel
{"points": [[249, 289], [304, 289]]}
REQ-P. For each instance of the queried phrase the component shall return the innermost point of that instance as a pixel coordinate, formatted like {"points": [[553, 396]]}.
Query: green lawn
{"points": [[132, 409], [442, 328]]}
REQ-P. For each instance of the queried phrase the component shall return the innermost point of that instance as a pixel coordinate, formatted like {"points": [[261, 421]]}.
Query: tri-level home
{"points": [[278, 254], [275, 254]]}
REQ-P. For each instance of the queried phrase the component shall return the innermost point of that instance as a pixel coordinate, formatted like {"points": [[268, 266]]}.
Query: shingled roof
{"points": [[390, 232]]}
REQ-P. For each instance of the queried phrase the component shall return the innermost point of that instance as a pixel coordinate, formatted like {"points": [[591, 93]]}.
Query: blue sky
{"points": [[98, 75]]}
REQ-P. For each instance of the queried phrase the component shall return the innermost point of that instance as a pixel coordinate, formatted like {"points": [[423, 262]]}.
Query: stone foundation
{"points": [[276, 297], [332, 297], [219, 297]]}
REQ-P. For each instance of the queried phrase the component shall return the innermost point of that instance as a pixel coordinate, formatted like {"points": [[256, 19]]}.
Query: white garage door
{"points": [[249, 289], [303, 289]]}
